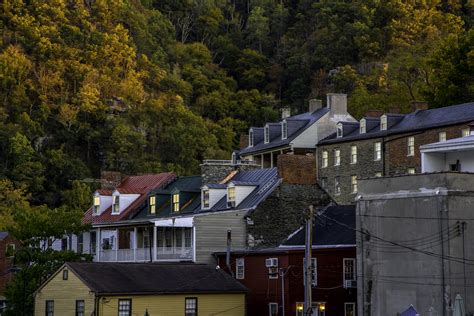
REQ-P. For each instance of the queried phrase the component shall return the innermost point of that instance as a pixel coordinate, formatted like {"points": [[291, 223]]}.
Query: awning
{"points": [[175, 222]]}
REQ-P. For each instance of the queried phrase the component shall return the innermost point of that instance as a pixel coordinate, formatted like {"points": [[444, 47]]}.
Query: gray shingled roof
{"points": [[154, 278], [416, 121]]}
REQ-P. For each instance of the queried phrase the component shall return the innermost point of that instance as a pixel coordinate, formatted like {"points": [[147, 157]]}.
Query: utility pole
{"points": [[308, 263], [283, 273]]}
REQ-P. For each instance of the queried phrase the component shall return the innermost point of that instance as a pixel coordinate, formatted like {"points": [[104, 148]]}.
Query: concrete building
{"points": [[384, 146], [413, 243], [453, 155]]}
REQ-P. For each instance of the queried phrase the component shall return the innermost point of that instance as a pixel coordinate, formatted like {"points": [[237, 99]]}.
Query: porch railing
{"points": [[143, 254]]}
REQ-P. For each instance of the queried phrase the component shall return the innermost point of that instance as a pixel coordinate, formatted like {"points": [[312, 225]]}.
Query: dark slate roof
{"points": [[336, 226], [265, 180], [296, 125], [412, 122], [3, 235], [154, 278]]}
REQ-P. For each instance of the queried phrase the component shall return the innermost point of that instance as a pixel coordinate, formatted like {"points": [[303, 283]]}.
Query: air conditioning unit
{"points": [[271, 262], [350, 284]]}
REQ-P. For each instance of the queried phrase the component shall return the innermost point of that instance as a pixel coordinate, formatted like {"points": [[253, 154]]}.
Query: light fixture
{"points": [[322, 307]]}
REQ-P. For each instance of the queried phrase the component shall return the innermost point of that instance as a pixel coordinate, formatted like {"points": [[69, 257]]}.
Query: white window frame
{"points": [[284, 130], [270, 308], [115, 204], [337, 185], [354, 277], [377, 151], [152, 205], [251, 138], [465, 132], [411, 171], [273, 271], [324, 159], [337, 157], [96, 204], [240, 268], [339, 130], [442, 136], [231, 196], [362, 126], [411, 146], [383, 122], [175, 201], [353, 308], [353, 154], [266, 134], [354, 184]]}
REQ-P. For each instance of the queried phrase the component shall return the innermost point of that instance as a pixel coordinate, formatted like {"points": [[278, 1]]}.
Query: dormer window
{"points": [[362, 126], [250, 138], [115, 203], [266, 134], [205, 198], [176, 202], [284, 130], [96, 204], [152, 204], [231, 196], [339, 130], [383, 123]]}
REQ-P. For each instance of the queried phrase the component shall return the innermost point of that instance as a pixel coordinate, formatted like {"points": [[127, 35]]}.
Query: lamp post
{"points": [[24, 272]]}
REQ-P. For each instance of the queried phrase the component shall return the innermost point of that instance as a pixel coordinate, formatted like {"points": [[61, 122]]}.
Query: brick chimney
{"points": [[110, 179], [419, 105], [297, 169], [394, 110], [314, 104], [244, 141], [337, 103], [374, 113]]}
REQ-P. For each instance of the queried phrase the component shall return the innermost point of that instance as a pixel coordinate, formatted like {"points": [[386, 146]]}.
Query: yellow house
{"points": [[138, 289]]}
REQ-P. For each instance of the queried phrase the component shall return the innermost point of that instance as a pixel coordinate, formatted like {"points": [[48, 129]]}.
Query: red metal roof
{"points": [[131, 185]]}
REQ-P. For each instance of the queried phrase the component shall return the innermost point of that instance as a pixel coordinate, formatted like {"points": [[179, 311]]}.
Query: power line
{"points": [[415, 217]]}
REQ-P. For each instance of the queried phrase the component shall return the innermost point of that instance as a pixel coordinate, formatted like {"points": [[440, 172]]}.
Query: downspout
{"points": [[383, 156]]}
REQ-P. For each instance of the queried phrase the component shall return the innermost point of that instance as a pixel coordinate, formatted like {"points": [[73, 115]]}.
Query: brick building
{"points": [[385, 146], [8, 245]]}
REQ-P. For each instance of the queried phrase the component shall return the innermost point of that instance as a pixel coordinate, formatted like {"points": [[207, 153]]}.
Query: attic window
{"points": [[284, 130], [115, 204], [176, 202], [96, 204], [205, 198], [383, 123], [362, 126], [266, 134], [152, 204], [339, 130], [250, 138], [231, 196]]}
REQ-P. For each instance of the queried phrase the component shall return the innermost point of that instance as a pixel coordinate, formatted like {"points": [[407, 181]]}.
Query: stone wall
{"points": [[213, 172]]}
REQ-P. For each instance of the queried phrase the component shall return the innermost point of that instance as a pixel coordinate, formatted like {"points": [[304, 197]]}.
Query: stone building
{"points": [[384, 146], [8, 246]]}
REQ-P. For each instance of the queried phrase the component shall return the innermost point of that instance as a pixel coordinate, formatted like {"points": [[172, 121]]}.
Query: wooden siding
{"points": [[173, 305], [211, 233], [64, 293]]}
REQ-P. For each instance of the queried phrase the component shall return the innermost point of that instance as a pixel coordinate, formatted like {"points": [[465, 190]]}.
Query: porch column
{"points": [[134, 244], [97, 244], [261, 160], [155, 240], [271, 159], [116, 245]]}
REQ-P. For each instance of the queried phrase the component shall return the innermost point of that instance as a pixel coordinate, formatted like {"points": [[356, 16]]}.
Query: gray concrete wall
{"points": [[411, 251]]}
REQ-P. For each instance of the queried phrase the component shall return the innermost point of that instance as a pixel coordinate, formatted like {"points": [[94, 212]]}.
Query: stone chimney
{"points": [[285, 112], [110, 179], [314, 104], [337, 103], [214, 171], [419, 105], [374, 113], [244, 141]]}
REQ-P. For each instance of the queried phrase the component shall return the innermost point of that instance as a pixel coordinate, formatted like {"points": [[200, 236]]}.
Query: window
{"points": [[314, 271], [411, 171], [240, 268], [124, 307], [324, 182], [284, 130], [266, 134], [190, 306], [411, 146], [188, 232], [337, 186], [354, 184], [377, 151], [383, 123], [96, 202], [442, 136], [65, 274], [378, 174], [349, 271], [465, 132], [353, 154], [205, 198], [80, 308], [299, 308], [272, 309], [80, 243], [152, 204], [10, 250], [349, 309], [49, 309], [250, 138], [325, 159], [339, 130], [64, 244], [176, 202], [272, 265], [116, 204], [231, 196], [337, 157], [362, 126], [455, 166]]}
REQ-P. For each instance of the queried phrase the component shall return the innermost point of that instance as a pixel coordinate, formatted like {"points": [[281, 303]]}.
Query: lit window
{"points": [[383, 123], [353, 154], [411, 171], [115, 204], [349, 309], [49, 310], [231, 196], [96, 201], [250, 138], [411, 146], [266, 134], [339, 130], [125, 307], [80, 308], [240, 268], [465, 132], [377, 151], [299, 308], [442, 136], [362, 126], [152, 203], [325, 159], [191, 306], [349, 272], [284, 130], [378, 174], [313, 271], [205, 198], [337, 186], [354, 184], [175, 202], [337, 157], [272, 309]]}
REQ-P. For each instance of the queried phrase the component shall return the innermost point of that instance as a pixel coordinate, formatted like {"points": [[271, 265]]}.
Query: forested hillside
{"points": [[148, 86]]}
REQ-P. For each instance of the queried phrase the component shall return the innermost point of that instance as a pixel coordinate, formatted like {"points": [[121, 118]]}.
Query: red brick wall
{"points": [[5, 262], [297, 169]]}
